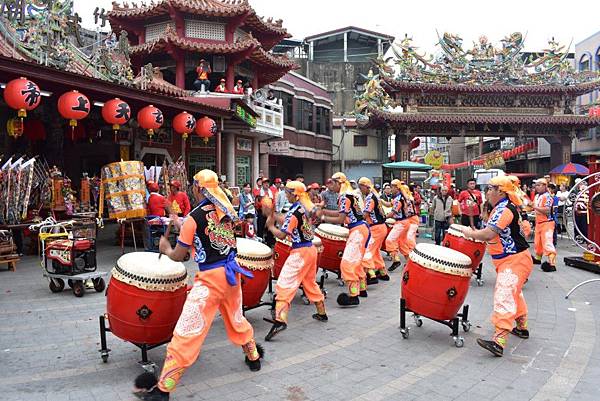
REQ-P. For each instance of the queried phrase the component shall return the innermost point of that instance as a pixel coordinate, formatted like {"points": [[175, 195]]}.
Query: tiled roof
{"points": [[270, 60], [214, 8], [171, 37], [259, 24], [574, 90], [538, 120]]}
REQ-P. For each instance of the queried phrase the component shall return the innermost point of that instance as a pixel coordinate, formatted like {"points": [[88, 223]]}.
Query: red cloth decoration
{"points": [[23, 95]]}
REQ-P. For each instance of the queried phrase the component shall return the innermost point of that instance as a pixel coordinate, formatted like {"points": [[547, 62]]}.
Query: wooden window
{"points": [[304, 115], [360, 140]]}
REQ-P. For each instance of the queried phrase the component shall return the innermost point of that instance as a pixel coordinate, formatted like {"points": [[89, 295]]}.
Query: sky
{"points": [[566, 21]]}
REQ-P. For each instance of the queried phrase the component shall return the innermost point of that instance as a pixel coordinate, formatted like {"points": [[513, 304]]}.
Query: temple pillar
{"points": [[560, 149], [256, 160], [230, 157], [264, 164], [218, 150], [402, 151], [180, 70], [230, 76]]}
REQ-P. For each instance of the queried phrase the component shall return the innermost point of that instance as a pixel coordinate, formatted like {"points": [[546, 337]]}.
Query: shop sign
{"points": [[246, 117], [279, 148], [435, 159], [493, 160], [244, 144]]}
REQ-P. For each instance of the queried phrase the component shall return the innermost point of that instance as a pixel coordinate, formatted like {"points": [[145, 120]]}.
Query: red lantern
{"points": [[150, 118], [73, 106], [22, 94], [116, 112], [184, 123], [206, 128]]}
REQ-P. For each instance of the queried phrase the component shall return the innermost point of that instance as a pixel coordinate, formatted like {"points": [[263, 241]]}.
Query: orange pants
{"points": [[351, 266], [299, 268], [209, 293], [373, 259], [544, 242], [509, 302], [402, 239]]}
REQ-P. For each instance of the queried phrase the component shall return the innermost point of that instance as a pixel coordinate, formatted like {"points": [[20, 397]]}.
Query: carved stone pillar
{"points": [[560, 149], [402, 153]]}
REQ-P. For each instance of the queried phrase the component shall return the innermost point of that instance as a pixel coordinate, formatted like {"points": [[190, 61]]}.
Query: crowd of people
{"points": [[292, 210]]}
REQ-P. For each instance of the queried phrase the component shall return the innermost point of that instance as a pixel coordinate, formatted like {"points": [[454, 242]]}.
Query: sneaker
{"points": [[547, 267], [275, 329], [254, 366], [491, 346], [394, 266], [536, 261], [363, 294], [320, 318], [372, 280], [146, 389], [346, 300], [384, 277], [521, 333]]}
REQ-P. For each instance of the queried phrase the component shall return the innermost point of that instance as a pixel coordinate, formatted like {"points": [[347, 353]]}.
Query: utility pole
{"points": [[342, 161]]}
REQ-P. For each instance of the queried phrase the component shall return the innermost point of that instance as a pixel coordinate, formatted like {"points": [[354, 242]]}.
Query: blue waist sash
{"points": [[231, 268], [297, 245]]}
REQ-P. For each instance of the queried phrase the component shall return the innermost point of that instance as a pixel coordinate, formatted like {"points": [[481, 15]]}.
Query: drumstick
{"points": [[167, 232]]}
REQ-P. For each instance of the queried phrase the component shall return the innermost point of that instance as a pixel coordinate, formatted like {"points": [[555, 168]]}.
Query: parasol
{"points": [[406, 165], [570, 169]]}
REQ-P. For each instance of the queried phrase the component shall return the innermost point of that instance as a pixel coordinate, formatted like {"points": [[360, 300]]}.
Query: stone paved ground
{"points": [[49, 348]]}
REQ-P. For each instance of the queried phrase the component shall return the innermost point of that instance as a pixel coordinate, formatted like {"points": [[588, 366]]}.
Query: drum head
{"points": [[317, 241], [253, 255], [441, 259], [146, 271], [333, 230], [456, 230]]}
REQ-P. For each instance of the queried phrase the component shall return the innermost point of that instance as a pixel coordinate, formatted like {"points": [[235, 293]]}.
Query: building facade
{"points": [[306, 145]]}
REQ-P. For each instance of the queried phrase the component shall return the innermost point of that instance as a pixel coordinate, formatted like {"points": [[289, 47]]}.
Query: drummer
{"points": [[208, 233], [373, 261], [412, 215], [508, 249], [350, 213], [400, 228], [178, 200], [301, 265], [544, 227]]}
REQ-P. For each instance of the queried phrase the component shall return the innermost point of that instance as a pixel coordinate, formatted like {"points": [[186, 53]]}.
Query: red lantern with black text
{"points": [[184, 123], [23, 95], [206, 128], [150, 118], [116, 112], [73, 106]]}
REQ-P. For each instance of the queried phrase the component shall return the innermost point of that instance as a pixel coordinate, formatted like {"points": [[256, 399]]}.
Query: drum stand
{"points": [[325, 274], [462, 318], [478, 275], [147, 365]]}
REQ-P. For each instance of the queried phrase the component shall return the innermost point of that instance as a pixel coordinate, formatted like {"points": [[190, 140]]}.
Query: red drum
{"points": [[257, 258], [435, 281], [282, 251], [145, 297], [455, 239], [334, 241]]}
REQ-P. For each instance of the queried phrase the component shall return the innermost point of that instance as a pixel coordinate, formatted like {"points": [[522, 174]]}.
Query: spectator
{"points": [[178, 200], [442, 214], [246, 201], [248, 227], [554, 210], [271, 96], [329, 196], [562, 195], [470, 201], [300, 177], [387, 192], [314, 194], [203, 70], [265, 193], [157, 204]]}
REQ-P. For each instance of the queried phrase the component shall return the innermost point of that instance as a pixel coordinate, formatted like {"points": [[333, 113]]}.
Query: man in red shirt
{"points": [[157, 204], [178, 200], [470, 201]]}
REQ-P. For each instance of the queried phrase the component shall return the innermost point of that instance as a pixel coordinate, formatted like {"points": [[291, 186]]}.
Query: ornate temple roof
{"points": [[213, 8], [170, 37], [270, 60], [536, 120]]}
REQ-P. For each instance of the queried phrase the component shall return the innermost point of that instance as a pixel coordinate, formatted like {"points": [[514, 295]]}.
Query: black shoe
{"points": [[363, 294], [384, 277], [146, 383], [547, 267], [275, 329], [537, 261], [491, 346], [372, 280], [346, 300], [394, 266], [320, 318], [255, 365], [521, 333]]}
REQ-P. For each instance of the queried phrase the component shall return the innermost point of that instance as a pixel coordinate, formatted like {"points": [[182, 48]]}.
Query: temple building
{"points": [[485, 91], [213, 53]]}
